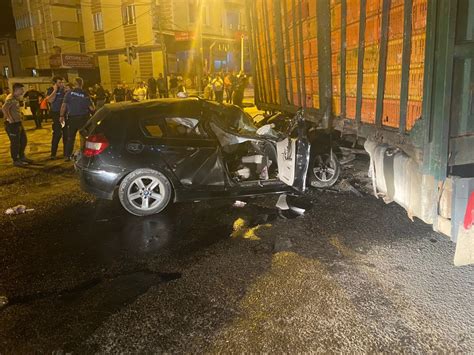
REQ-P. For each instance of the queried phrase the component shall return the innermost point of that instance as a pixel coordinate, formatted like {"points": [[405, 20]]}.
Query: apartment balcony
{"points": [[66, 3], [67, 30]]}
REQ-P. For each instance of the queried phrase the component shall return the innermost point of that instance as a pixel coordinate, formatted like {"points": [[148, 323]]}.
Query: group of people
{"points": [[229, 83], [214, 87], [153, 88], [70, 106]]}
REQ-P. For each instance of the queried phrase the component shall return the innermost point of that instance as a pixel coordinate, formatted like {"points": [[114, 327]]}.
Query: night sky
{"points": [[7, 24]]}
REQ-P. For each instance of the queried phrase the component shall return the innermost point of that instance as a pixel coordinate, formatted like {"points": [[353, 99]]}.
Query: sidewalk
{"points": [[38, 149]]}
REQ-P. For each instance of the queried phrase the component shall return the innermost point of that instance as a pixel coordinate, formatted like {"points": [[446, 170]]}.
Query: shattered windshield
{"points": [[238, 121]]}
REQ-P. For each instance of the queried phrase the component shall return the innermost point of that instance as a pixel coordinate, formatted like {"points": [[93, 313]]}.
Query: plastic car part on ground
{"points": [[291, 206], [19, 209]]}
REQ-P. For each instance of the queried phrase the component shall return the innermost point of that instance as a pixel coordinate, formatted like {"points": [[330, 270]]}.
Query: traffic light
{"points": [[131, 54]]}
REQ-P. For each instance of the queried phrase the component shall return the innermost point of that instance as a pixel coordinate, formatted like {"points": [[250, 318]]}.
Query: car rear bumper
{"points": [[98, 182]]}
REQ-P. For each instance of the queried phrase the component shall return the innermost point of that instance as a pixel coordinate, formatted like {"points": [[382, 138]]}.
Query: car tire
{"points": [[324, 170], [144, 192]]}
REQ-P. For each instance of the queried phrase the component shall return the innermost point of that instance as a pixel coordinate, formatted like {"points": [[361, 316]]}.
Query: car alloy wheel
{"points": [[145, 192], [324, 170]]}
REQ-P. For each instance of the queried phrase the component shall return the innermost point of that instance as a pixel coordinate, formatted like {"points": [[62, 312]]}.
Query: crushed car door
{"points": [[192, 156], [293, 154]]}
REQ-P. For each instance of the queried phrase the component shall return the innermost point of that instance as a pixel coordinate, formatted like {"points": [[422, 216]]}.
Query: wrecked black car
{"points": [[155, 152]]}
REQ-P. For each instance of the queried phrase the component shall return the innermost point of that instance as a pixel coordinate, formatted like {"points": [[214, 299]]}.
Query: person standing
{"points": [[32, 96], [151, 91], [91, 91], [208, 93], [128, 93], [162, 86], [14, 126], [100, 95], [55, 96], [228, 88], [78, 105], [181, 91], [140, 92], [218, 87], [4, 94], [43, 108], [242, 82], [173, 85], [119, 93]]}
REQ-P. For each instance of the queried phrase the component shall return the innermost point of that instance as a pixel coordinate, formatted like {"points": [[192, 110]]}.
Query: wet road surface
{"points": [[352, 274]]}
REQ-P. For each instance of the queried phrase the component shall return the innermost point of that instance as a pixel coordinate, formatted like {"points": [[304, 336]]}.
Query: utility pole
{"points": [[211, 57], [200, 56], [242, 52], [164, 52]]}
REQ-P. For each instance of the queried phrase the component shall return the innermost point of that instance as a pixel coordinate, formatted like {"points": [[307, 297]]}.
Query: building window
{"points": [[23, 21], [3, 49], [233, 20], [28, 48], [192, 10], [98, 24], [128, 15], [206, 21]]}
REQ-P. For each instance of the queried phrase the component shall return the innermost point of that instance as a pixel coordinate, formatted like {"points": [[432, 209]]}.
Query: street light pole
{"points": [[200, 59], [242, 52]]}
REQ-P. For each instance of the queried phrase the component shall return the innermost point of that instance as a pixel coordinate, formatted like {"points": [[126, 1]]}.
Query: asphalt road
{"points": [[350, 275]]}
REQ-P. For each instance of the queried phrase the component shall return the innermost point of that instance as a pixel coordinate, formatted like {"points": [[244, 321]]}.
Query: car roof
{"points": [[149, 104]]}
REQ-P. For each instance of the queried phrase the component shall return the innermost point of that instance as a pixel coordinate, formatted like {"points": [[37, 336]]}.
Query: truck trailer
{"points": [[396, 74]]}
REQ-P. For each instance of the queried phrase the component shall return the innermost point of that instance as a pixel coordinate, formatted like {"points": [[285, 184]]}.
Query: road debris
{"points": [[346, 186], [19, 209], [291, 207], [3, 301], [239, 204], [281, 203]]}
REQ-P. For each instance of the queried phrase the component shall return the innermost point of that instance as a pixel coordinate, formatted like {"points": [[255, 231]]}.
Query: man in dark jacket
{"points": [[100, 95], [32, 95], [119, 93], [55, 96], [78, 105], [162, 86], [151, 90]]}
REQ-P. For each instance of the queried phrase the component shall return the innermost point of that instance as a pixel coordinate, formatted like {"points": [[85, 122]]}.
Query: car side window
{"points": [[184, 127], [153, 127]]}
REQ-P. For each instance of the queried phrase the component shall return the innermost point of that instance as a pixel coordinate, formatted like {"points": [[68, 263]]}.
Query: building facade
{"points": [[134, 39], [111, 27], [51, 38], [9, 60]]}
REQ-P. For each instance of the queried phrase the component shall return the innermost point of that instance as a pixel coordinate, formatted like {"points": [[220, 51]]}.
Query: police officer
{"points": [[14, 126], [55, 96], [78, 104]]}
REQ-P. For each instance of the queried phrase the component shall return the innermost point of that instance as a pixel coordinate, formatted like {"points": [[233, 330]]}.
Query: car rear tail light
{"points": [[95, 145]]}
